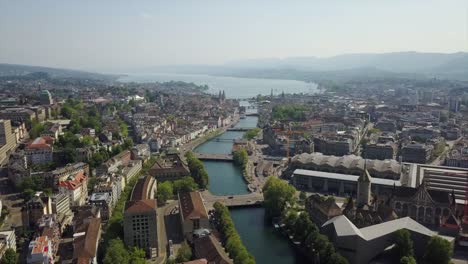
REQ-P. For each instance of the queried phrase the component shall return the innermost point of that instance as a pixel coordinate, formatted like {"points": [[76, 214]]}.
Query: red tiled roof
{"points": [[141, 206], [140, 191], [75, 183], [39, 143], [192, 205], [85, 246]]}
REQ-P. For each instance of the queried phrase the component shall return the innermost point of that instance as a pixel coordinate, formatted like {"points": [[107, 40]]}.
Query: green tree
{"points": [[10, 257], [407, 260], [403, 244], [289, 112], [186, 184], [36, 130], [137, 256], [197, 170], [277, 194], [171, 261], [336, 258], [165, 191], [252, 133], [233, 243], [302, 196], [438, 251], [116, 252], [184, 253]]}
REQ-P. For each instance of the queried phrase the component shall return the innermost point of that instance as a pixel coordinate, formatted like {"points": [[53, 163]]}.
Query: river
{"points": [[260, 238], [234, 87]]}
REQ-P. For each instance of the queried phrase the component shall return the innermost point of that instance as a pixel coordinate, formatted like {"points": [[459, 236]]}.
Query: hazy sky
{"points": [[104, 35]]}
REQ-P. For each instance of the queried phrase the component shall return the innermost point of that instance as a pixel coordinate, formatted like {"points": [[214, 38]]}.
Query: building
{"points": [[8, 238], [386, 125], [103, 201], [336, 146], [76, 188], [170, 168], [112, 165], [45, 98], [35, 208], [40, 151], [61, 207], [350, 164], [69, 171], [417, 153], [423, 205], [131, 170], [362, 245], [339, 184], [18, 114], [380, 151], [141, 151], [140, 218], [207, 247], [7, 139], [321, 209], [86, 242], [40, 251], [454, 104], [447, 179], [458, 156], [110, 185], [192, 212], [364, 189]]}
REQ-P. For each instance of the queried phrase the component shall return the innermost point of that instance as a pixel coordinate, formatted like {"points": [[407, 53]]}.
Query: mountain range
{"points": [[453, 66], [343, 67]]}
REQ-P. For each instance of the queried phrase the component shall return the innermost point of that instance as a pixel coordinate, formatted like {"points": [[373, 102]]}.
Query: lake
{"points": [[234, 87]]}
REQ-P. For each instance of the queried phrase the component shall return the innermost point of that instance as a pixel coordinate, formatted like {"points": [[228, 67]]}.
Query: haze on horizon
{"points": [[115, 35]]}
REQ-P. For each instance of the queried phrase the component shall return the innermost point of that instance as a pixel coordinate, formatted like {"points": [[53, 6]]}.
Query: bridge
{"points": [[225, 139], [241, 200], [216, 157], [241, 129]]}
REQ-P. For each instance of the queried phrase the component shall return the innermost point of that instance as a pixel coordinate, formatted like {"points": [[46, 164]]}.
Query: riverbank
{"points": [[199, 141]]}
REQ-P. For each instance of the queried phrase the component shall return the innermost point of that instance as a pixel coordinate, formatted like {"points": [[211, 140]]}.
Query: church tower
{"points": [[364, 189]]}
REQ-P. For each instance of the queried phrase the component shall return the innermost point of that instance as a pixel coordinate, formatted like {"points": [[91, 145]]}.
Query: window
{"points": [[196, 223]]}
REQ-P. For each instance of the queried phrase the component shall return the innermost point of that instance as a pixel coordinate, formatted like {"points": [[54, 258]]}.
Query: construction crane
{"points": [[287, 134]]}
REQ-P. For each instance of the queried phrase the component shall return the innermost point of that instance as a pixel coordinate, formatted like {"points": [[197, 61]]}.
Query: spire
{"points": [[271, 96], [223, 96]]}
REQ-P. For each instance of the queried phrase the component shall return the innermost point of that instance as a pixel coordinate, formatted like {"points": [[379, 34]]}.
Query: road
{"points": [[440, 159], [232, 200]]}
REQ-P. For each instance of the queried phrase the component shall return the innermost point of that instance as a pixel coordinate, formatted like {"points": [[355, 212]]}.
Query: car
{"points": [[230, 197]]}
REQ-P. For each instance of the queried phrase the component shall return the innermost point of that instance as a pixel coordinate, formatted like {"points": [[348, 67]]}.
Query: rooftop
{"points": [[192, 206], [344, 227], [344, 177]]}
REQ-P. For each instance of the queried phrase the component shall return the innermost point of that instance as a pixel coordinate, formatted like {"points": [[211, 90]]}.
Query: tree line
{"points": [[279, 199], [232, 241], [197, 170], [167, 189]]}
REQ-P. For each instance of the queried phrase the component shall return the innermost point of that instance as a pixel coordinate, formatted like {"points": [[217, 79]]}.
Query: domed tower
{"points": [[364, 189]]}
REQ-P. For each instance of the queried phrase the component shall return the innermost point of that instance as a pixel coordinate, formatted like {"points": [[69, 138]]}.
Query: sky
{"points": [[106, 35]]}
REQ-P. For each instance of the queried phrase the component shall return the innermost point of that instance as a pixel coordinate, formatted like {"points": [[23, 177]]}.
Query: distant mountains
{"points": [[342, 67], [24, 70], [453, 66]]}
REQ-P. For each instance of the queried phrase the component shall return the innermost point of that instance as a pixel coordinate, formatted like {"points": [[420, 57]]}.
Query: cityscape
{"points": [[347, 158]]}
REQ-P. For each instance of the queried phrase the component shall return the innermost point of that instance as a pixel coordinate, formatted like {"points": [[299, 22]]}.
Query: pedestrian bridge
{"points": [[216, 157], [240, 129], [241, 200]]}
